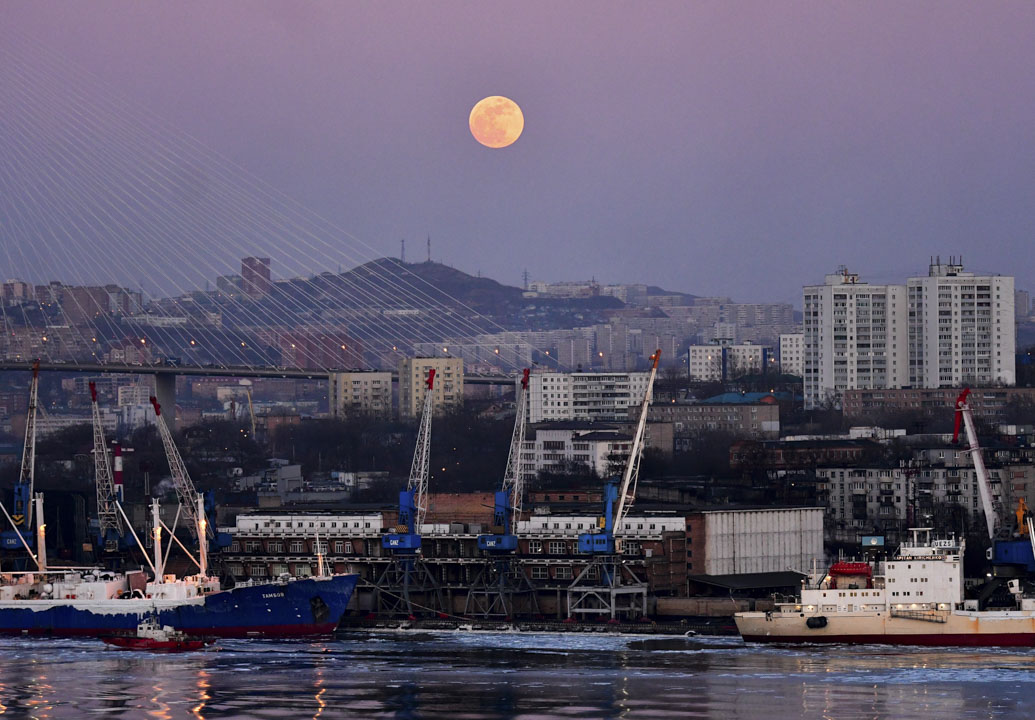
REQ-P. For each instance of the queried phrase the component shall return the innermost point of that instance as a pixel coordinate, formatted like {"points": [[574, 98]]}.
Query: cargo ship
{"points": [[97, 602], [914, 598]]}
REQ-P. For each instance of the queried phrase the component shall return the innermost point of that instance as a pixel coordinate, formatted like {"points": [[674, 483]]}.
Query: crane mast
{"points": [[110, 523], [185, 492], [413, 501], [619, 499], [513, 484], [418, 484], [963, 413], [23, 500], [627, 491], [507, 504]]}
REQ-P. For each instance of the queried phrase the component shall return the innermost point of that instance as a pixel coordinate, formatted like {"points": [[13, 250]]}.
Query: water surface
{"points": [[519, 675]]}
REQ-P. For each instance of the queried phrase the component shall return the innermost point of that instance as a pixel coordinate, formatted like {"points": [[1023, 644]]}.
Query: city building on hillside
{"points": [[360, 393], [943, 330], [865, 497], [961, 328], [718, 363], [255, 277], [854, 337], [584, 395], [759, 420], [602, 450], [991, 403], [792, 354], [448, 389]]}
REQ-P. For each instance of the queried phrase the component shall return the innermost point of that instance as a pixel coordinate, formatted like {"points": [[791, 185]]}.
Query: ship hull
{"points": [[957, 629], [297, 608]]}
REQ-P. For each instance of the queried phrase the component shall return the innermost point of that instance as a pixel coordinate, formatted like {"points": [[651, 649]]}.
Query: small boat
{"points": [[158, 638]]}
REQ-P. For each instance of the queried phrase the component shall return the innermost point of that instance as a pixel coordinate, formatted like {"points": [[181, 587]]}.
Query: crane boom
{"points": [[963, 413], [626, 496], [110, 522], [506, 511], [413, 501], [185, 491], [27, 478], [618, 498], [418, 483], [513, 483]]}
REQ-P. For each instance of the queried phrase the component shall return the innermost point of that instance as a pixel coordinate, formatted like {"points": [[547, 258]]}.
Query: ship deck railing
{"points": [[936, 616]]}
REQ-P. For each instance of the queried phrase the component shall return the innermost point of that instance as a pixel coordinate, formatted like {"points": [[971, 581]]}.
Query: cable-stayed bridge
{"points": [[129, 246]]}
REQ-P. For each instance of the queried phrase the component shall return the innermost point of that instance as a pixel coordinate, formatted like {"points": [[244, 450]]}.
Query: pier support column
{"points": [[165, 391]]}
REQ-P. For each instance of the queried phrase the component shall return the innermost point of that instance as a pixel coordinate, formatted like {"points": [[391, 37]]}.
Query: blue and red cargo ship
{"points": [[102, 605]]}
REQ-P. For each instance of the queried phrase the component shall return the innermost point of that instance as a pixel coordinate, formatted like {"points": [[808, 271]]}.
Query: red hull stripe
{"points": [[225, 632], [957, 640]]}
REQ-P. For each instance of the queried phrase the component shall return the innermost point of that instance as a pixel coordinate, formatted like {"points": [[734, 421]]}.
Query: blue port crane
{"points": [[507, 500], [500, 586], [408, 575], [413, 501], [607, 586], [1012, 554], [21, 534], [618, 499], [109, 522]]}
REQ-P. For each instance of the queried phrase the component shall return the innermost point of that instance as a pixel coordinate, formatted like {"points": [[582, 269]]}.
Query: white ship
{"points": [[915, 598]]}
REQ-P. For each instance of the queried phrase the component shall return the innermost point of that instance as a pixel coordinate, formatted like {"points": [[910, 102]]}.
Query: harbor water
{"points": [[474, 675]]}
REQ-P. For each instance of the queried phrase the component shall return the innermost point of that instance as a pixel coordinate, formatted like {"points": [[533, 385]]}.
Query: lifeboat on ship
{"points": [[849, 575]]}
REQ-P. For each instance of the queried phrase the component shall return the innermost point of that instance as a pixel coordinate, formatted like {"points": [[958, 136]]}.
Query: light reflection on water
{"points": [[474, 676]]}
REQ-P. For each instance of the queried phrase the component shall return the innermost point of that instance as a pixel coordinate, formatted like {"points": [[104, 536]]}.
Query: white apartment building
{"points": [[961, 328], [584, 396], [792, 354], [138, 394], [862, 497], [365, 393], [712, 363], [448, 388], [599, 450], [854, 336]]}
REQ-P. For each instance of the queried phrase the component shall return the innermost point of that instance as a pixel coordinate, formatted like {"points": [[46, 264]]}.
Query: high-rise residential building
{"points": [[961, 328], [721, 362], [792, 354], [1022, 304], [255, 277], [360, 393], [584, 396], [448, 388], [947, 329], [854, 336]]}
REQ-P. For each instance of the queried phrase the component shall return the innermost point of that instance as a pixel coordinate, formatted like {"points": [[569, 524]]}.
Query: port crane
{"points": [[109, 530], [1008, 554], [496, 584], [198, 509], [607, 585], [21, 515], [407, 571]]}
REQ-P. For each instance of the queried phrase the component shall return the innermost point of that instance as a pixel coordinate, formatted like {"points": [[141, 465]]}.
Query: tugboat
{"points": [[156, 637]]}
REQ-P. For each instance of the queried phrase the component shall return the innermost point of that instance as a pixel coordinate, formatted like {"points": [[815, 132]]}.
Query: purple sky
{"points": [[734, 148]]}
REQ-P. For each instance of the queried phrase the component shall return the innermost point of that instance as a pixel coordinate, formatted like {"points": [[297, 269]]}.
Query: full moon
{"points": [[496, 121]]}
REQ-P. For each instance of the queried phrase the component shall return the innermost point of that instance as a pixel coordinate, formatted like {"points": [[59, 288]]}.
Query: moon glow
{"points": [[496, 121]]}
